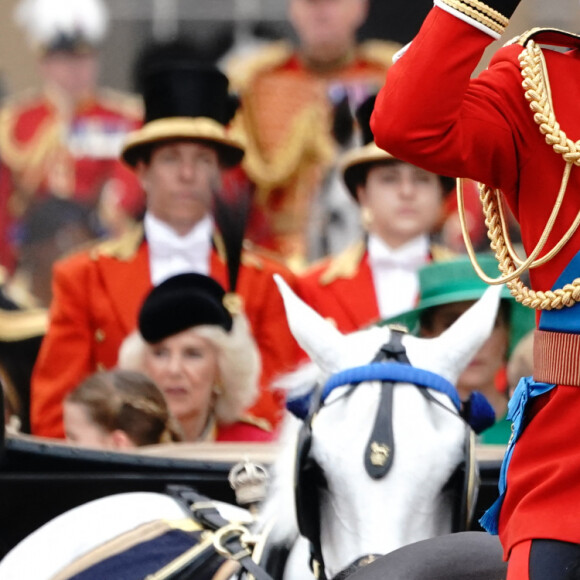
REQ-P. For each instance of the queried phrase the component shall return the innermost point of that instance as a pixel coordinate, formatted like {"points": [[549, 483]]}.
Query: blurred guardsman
{"points": [[377, 277], [65, 140], [178, 156], [296, 111], [511, 128]]}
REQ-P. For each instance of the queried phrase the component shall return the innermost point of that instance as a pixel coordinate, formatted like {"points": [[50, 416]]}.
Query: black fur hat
{"points": [[181, 302]]}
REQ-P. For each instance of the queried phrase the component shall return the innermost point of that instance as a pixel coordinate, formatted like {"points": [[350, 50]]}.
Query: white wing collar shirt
{"points": [[395, 273], [171, 254]]}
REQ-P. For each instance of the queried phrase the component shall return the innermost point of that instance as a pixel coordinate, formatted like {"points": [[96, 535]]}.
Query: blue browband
{"points": [[392, 371], [478, 412]]}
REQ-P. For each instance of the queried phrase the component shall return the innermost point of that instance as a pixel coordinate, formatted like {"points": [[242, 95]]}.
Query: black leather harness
{"points": [[230, 541]]}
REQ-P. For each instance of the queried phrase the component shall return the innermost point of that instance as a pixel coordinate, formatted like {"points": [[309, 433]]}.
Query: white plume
{"points": [[45, 20]]}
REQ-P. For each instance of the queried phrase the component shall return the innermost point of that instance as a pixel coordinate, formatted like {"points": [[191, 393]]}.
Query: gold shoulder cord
{"points": [[538, 94]]}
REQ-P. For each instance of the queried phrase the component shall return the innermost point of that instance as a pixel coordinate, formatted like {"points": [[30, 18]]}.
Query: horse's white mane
{"points": [[300, 381]]}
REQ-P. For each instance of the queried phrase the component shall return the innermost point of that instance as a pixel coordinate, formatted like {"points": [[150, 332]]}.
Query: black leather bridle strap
{"points": [[394, 349], [228, 538], [379, 452], [380, 449]]}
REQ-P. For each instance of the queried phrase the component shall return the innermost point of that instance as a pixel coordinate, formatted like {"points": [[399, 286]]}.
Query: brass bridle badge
{"points": [[379, 453]]}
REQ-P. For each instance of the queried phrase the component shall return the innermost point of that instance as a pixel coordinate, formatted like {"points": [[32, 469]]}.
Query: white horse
{"points": [[360, 515], [354, 513]]}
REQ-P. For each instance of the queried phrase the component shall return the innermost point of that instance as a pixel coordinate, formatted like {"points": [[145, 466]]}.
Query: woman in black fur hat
{"points": [[202, 357]]}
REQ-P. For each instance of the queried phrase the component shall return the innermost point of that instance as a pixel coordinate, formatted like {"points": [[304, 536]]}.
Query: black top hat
{"points": [[188, 90], [185, 100], [181, 302]]}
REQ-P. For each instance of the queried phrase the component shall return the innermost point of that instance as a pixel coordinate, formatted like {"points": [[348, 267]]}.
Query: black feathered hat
{"points": [[181, 302], [185, 100]]}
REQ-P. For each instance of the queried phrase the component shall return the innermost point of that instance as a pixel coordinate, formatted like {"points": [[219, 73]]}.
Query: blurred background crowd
{"points": [[80, 149]]}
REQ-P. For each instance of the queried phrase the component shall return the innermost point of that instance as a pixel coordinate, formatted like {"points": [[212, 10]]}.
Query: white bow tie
{"points": [[171, 254], [165, 243], [168, 248], [410, 257]]}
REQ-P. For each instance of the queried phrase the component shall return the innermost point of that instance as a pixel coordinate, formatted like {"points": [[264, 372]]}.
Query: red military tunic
{"points": [[44, 149], [342, 288], [432, 114], [97, 297]]}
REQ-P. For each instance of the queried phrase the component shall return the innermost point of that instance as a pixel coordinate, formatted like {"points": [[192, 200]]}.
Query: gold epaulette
{"points": [[123, 248], [260, 422], [18, 289], [265, 253], [550, 36], [16, 325], [379, 51], [241, 70], [125, 104], [345, 264], [251, 260]]}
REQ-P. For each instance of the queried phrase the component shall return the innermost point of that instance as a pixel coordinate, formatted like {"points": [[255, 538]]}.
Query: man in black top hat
{"points": [[178, 156]]}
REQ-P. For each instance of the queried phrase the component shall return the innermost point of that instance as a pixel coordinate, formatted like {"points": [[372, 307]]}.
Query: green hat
{"points": [[455, 280]]}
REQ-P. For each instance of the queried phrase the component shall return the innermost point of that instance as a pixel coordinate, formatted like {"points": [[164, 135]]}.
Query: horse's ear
{"points": [[455, 348], [317, 336]]}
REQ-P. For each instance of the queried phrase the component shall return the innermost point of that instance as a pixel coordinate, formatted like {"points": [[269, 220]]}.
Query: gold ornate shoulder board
{"points": [[123, 248], [345, 264], [243, 69], [549, 36]]}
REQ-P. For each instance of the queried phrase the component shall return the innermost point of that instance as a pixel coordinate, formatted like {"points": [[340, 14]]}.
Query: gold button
{"points": [[99, 335], [101, 367]]}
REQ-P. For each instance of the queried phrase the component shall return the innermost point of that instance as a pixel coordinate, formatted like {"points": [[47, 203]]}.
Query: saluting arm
{"points": [[431, 113]]}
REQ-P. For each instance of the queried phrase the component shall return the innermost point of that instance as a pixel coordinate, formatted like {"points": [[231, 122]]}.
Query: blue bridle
{"points": [[392, 371], [480, 416]]}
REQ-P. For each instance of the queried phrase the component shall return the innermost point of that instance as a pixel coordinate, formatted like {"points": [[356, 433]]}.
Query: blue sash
{"points": [[527, 389]]}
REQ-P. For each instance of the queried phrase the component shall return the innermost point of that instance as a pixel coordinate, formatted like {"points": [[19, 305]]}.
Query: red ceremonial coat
{"points": [[46, 150], [97, 297], [342, 288], [432, 114], [244, 430]]}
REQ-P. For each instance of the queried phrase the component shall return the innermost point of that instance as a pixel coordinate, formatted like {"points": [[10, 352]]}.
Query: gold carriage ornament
{"points": [[537, 92]]}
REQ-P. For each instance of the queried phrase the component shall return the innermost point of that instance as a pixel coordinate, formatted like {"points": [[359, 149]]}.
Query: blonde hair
{"points": [[238, 361]]}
